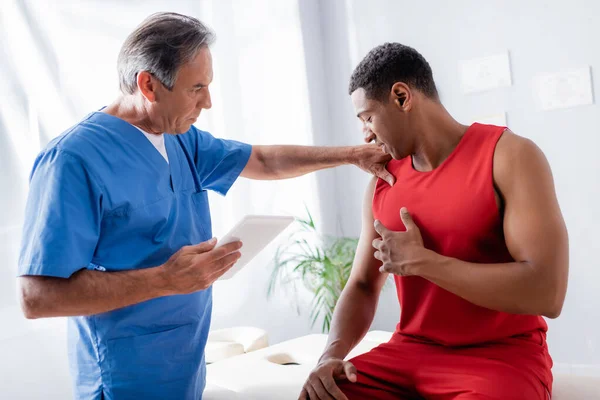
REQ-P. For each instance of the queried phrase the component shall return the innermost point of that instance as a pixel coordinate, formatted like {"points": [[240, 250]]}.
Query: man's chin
{"points": [[387, 150], [181, 129], [395, 155]]}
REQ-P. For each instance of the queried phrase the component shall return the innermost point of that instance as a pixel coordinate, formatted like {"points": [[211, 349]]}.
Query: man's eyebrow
{"points": [[362, 112]]}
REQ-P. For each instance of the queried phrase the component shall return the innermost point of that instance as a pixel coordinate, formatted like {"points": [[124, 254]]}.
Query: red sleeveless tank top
{"points": [[455, 208]]}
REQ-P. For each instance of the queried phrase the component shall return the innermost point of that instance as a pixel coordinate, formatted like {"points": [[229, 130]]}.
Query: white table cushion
{"points": [[214, 392], [217, 351], [250, 337], [229, 342]]}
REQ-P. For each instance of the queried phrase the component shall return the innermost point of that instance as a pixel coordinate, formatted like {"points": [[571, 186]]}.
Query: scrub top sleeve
{"points": [[62, 217], [219, 162]]}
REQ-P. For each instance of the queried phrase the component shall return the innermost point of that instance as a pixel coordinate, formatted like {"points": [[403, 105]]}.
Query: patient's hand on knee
{"points": [[321, 385]]}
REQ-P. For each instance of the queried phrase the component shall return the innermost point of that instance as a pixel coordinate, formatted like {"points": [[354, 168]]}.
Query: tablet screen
{"points": [[255, 232]]}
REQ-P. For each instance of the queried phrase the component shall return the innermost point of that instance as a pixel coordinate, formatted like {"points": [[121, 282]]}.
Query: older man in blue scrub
{"points": [[117, 233]]}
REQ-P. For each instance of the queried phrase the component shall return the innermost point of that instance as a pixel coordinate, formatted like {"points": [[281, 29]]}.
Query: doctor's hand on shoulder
{"points": [[195, 268]]}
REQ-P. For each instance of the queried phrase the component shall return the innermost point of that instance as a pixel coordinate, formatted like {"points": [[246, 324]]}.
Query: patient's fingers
{"points": [[333, 389], [377, 243], [312, 395], [323, 394], [350, 371], [303, 395]]}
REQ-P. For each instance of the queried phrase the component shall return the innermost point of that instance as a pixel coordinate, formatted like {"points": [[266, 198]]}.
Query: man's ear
{"points": [[147, 85], [401, 95], [401, 99]]}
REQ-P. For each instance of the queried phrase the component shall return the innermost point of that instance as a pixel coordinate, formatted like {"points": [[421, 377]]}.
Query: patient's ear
{"points": [[401, 95]]}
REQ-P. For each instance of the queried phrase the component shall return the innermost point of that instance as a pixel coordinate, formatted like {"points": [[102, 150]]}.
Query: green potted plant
{"points": [[321, 263]]}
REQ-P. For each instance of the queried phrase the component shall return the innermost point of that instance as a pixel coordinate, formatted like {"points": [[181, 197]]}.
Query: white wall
{"points": [[541, 36], [262, 98], [33, 361]]}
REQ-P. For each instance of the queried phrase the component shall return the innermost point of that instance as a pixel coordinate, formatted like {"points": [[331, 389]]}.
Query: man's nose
{"points": [[369, 136]]}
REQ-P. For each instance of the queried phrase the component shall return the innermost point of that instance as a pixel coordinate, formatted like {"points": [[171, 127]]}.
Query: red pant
{"points": [[404, 368]]}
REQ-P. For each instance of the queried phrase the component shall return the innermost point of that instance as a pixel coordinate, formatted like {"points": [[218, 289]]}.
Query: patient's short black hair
{"points": [[390, 63]]}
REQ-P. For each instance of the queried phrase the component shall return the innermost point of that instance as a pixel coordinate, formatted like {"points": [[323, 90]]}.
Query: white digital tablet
{"points": [[255, 232]]}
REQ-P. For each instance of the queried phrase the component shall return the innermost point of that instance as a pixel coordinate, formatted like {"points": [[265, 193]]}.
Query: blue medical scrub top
{"points": [[102, 197]]}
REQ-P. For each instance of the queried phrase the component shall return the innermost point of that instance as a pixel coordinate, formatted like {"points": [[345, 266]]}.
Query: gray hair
{"points": [[161, 44]]}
